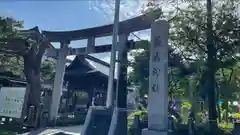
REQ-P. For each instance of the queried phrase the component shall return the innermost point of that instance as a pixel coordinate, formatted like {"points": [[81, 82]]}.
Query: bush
{"points": [[198, 117], [226, 127], [142, 115], [182, 129], [236, 116], [143, 118], [186, 106]]}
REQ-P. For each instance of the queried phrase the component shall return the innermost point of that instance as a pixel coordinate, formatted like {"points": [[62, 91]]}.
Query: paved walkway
{"points": [[72, 130], [75, 129]]}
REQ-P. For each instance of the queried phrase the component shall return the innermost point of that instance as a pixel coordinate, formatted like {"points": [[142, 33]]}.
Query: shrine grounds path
{"points": [[73, 130]]}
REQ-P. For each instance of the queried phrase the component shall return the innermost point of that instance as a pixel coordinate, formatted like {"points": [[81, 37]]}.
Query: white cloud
{"points": [[128, 8]]}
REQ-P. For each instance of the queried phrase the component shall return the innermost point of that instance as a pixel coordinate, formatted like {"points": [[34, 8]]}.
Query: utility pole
{"points": [[109, 102]]}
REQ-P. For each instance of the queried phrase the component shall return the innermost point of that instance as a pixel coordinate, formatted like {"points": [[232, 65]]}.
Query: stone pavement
{"points": [[70, 130]]}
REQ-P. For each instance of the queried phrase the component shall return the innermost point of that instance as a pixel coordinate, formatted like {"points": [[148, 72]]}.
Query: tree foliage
{"points": [[22, 52], [13, 62], [188, 41]]}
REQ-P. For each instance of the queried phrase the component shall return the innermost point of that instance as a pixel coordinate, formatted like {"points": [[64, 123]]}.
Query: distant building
{"points": [[81, 76]]}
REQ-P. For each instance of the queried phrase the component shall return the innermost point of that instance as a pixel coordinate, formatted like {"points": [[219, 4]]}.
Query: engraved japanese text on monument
{"points": [[155, 88], [157, 41], [155, 60], [156, 72], [157, 44], [156, 57]]}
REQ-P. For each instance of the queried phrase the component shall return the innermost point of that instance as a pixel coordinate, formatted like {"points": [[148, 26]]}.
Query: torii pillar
{"points": [[58, 81], [158, 80]]}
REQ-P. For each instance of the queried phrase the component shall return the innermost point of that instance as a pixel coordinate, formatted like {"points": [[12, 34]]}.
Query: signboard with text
{"points": [[11, 101]]}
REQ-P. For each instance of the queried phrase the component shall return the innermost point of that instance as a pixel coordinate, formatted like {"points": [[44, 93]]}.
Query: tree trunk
{"points": [[25, 105], [32, 73], [219, 113], [32, 54], [35, 92], [226, 108], [218, 106], [227, 114], [211, 69]]}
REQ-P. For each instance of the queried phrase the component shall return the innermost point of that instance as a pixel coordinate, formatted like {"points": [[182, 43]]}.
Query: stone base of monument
{"points": [[97, 121], [154, 132], [119, 122]]}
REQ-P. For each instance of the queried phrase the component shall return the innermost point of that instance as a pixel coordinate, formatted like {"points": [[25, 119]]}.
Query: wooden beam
{"points": [[135, 24]]}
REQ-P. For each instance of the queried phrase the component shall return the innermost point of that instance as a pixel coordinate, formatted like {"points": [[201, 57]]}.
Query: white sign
{"points": [[11, 101]]}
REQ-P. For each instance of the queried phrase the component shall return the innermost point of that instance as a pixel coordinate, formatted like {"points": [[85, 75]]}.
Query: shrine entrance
{"points": [[158, 91]]}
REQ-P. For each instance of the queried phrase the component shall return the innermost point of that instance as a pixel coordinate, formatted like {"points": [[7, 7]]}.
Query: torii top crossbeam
{"points": [[125, 27], [135, 24]]}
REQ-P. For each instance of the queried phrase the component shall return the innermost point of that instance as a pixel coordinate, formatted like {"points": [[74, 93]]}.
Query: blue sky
{"points": [[69, 15], [52, 15], [56, 16]]}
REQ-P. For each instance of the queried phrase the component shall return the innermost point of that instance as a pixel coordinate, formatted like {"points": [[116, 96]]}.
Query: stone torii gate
{"points": [[158, 91]]}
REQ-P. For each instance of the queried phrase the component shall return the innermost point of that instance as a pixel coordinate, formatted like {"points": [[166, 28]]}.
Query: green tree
{"points": [[8, 61], [177, 71], [47, 70], [210, 52], [30, 46], [228, 85]]}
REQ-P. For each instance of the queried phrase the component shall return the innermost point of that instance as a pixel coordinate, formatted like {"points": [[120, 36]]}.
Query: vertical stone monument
{"points": [[158, 80]]}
